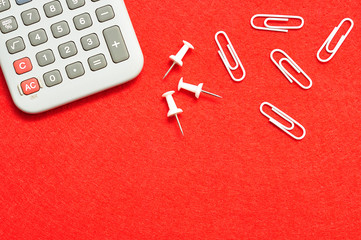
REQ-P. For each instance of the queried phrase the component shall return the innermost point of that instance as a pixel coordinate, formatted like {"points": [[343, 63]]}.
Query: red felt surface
{"points": [[113, 166]]}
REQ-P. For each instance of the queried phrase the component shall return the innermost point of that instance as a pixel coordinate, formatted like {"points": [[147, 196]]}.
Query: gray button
{"points": [[38, 37], [116, 45], [45, 57], [8, 24], [75, 70], [52, 9], [4, 5], [15, 45], [30, 16], [82, 21], [97, 62], [89, 41], [67, 49], [73, 4], [60, 29], [52, 78], [105, 13]]}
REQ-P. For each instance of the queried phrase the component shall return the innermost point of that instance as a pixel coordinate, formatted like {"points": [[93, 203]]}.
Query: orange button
{"points": [[30, 86], [22, 65]]}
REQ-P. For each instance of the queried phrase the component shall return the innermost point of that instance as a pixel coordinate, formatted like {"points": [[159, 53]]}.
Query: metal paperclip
{"points": [[285, 117], [329, 39], [234, 55], [293, 64], [279, 18]]}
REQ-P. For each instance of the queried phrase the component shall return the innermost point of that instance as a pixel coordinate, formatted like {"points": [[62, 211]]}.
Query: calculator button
{"points": [[23, 65], [52, 78], [45, 57], [67, 49], [89, 41], [97, 62], [19, 2], [4, 5], [105, 13], [15, 45], [60, 29], [73, 4], [38, 37], [75, 70], [30, 16], [30, 86], [82, 21], [8, 24], [116, 44], [53, 9]]}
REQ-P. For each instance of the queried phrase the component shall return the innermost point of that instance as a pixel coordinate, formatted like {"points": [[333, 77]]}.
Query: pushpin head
{"points": [[179, 56], [190, 87], [173, 110]]}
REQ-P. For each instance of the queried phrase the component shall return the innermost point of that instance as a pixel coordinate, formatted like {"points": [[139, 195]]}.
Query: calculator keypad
{"points": [[55, 42]]}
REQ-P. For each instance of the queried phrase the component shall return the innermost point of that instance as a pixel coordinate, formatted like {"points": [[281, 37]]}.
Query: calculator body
{"points": [[57, 51]]}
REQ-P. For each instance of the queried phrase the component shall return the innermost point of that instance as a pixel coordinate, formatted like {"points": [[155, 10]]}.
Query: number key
{"points": [[67, 49], [89, 41], [38, 37], [30, 16], [45, 57], [52, 9], [60, 29], [82, 21]]}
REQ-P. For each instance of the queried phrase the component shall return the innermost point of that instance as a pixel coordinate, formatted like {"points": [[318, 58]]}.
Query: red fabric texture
{"points": [[113, 166]]}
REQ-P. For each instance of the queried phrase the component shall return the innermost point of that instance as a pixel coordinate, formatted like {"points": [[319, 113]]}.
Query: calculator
{"points": [[53, 52]]}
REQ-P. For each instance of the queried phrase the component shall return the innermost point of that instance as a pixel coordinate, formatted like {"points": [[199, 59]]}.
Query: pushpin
{"points": [[177, 59], [193, 88], [173, 110]]}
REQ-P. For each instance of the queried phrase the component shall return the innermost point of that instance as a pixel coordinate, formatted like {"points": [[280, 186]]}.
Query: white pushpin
{"points": [[177, 59], [173, 110], [193, 88]]}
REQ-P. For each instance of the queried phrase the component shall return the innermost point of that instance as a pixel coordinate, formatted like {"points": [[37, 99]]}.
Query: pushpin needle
{"points": [[177, 59], [215, 95], [169, 70], [180, 127], [173, 110], [196, 89]]}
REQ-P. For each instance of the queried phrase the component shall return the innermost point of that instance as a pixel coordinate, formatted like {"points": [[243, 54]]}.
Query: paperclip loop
{"points": [[279, 18], [326, 44], [293, 64], [234, 55], [285, 117]]}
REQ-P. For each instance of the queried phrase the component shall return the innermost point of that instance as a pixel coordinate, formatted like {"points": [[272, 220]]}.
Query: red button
{"points": [[30, 86], [22, 65]]}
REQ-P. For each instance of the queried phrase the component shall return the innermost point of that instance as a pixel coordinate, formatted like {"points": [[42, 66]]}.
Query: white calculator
{"points": [[53, 52]]}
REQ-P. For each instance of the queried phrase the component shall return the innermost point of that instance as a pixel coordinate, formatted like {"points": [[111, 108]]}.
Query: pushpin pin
{"points": [[193, 88], [173, 110], [177, 59]]}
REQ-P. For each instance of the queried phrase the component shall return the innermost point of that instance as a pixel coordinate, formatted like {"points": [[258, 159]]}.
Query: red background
{"points": [[113, 166]]}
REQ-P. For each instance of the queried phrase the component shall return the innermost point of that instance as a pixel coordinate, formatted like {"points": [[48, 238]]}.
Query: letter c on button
{"points": [[22, 65]]}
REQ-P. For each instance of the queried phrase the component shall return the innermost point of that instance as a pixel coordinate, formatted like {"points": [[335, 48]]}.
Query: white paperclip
{"points": [[234, 55], [279, 18], [326, 44], [293, 64], [285, 117]]}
